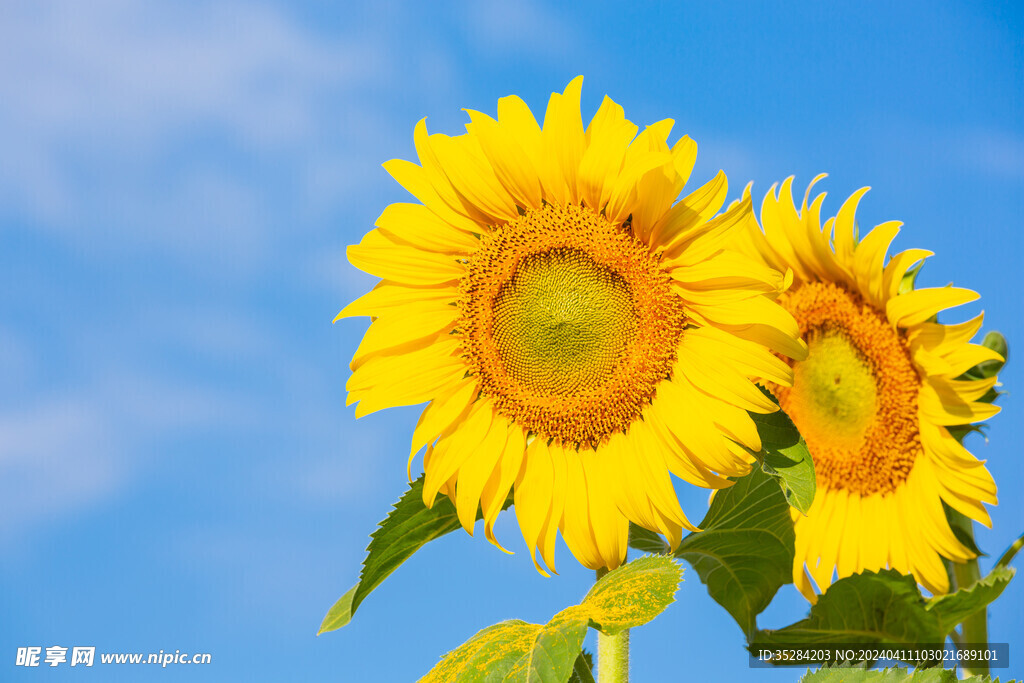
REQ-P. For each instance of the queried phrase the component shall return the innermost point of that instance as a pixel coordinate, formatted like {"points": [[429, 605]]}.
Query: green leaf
{"points": [[745, 552], [897, 675], [520, 652], [408, 527], [952, 608], [633, 594], [647, 541], [582, 669], [1011, 552], [516, 651], [340, 612], [785, 457], [883, 608]]}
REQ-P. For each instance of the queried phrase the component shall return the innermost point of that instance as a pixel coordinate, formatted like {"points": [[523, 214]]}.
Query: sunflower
{"points": [[577, 335], [875, 397]]}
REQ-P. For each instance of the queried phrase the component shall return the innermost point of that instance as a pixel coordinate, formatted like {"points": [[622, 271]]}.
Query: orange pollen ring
{"points": [[569, 323], [854, 399]]}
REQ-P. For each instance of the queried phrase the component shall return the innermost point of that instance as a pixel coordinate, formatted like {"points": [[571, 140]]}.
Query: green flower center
{"points": [[563, 323], [836, 386]]}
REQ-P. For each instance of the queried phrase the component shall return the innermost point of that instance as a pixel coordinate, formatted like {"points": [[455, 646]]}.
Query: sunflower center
{"points": [[836, 387], [562, 323], [854, 398], [569, 322]]}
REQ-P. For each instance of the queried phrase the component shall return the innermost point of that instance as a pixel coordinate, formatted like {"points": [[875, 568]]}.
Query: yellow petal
{"points": [[407, 265], [392, 332], [420, 227], [472, 177], [415, 377], [940, 405], [919, 305], [512, 165], [869, 258], [533, 491], [417, 181], [688, 218], [454, 447], [441, 414], [562, 144], [846, 226], [477, 469], [575, 523], [496, 490], [548, 532], [608, 137], [390, 296]]}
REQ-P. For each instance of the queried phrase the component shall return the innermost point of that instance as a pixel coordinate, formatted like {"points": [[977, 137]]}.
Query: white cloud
{"points": [[174, 126], [68, 450], [55, 458], [524, 27], [993, 152], [138, 71]]}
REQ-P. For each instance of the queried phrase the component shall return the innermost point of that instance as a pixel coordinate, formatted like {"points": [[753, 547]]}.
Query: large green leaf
{"points": [[883, 608], [409, 526], [516, 651], [952, 608], [520, 652], [744, 553], [897, 675], [785, 457]]}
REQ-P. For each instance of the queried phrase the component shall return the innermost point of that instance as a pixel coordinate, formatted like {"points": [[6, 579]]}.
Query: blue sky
{"points": [[178, 183]]}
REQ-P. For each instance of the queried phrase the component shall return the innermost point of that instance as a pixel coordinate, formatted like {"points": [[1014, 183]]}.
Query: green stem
{"points": [[974, 629], [612, 653]]}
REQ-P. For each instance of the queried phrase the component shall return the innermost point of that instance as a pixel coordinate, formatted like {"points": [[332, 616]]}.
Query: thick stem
{"points": [[612, 653], [974, 629]]}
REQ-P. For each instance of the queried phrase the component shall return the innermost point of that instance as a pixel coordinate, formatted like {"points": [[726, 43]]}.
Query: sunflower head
{"points": [[882, 383], [576, 332]]}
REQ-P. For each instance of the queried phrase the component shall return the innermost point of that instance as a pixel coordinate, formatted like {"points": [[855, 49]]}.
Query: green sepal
{"points": [[990, 368], [984, 370], [963, 528], [910, 278]]}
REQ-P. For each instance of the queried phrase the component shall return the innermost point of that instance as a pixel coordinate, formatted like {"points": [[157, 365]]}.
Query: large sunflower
{"points": [[577, 335], [874, 397]]}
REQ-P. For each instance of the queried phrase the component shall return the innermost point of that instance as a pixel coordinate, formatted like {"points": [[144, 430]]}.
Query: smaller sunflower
{"points": [[874, 398]]}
